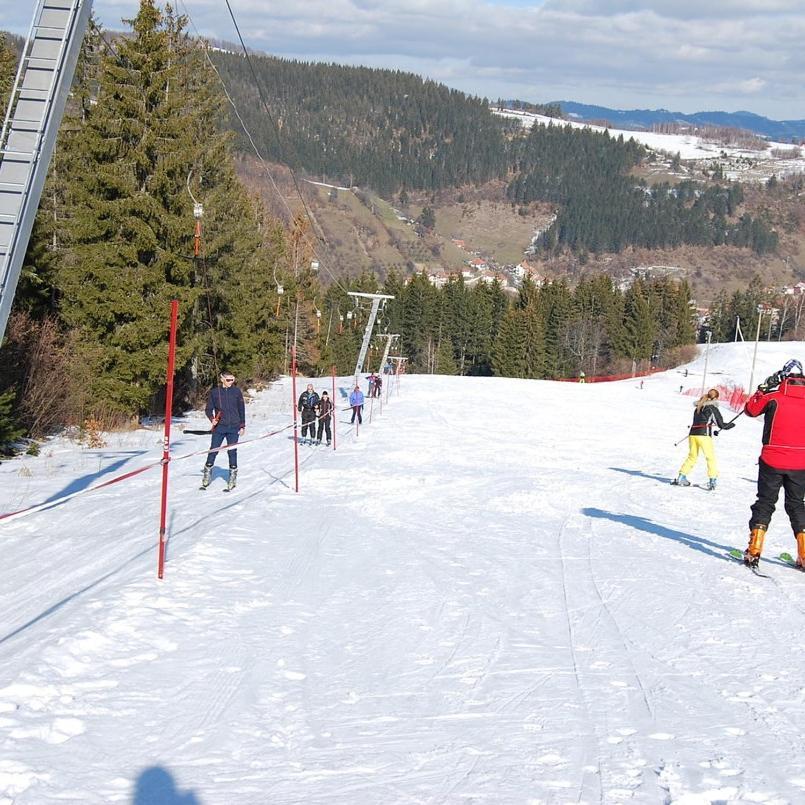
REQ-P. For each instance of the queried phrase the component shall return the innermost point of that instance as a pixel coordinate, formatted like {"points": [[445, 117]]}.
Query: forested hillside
{"points": [[145, 140], [390, 131], [358, 126], [602, 208]]}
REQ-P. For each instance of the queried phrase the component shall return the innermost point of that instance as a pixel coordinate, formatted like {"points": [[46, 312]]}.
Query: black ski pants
{"points": [[308, 422], [356, 411], [324, 425], [769, 481]]}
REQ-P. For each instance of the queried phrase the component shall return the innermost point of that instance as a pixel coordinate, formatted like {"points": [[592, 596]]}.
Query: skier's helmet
{"points": [[792, 367]]}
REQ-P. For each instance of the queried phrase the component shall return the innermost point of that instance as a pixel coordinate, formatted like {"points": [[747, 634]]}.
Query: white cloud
{"points": [[688, 54]]}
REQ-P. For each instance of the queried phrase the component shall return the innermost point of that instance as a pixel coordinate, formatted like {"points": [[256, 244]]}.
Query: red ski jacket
{"points": [[784, 426]]}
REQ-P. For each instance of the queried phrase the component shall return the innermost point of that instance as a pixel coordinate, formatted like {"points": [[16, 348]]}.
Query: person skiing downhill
{"points": [[700, 439], [226, 411], [781, 399]]}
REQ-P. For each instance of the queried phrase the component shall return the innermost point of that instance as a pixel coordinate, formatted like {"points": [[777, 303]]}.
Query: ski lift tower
{"points": [[30, 126], [376, 298], [390, 339]]}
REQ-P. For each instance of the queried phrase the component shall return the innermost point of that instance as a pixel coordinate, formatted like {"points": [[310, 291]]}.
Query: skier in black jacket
{"points": [[226, 411], [706, 417], [308, 401], [324, 413]]}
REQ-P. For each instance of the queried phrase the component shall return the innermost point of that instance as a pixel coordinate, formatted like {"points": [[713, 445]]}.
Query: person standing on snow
{"points": [[781, 399], [308, 400], [356, 401], [325, 411], [226, 411], [700, 438]]}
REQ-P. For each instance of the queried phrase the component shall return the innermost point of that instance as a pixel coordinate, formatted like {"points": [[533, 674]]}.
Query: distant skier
{"points": [[582, 377], [372, 378], [226, 411], [700, 438], [781, 399], [325, 411], [308, 400], [378, 385], [356, 401]]}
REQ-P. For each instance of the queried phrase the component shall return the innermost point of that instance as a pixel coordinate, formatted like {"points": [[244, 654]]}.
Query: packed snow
{"points": [[490, 593]]}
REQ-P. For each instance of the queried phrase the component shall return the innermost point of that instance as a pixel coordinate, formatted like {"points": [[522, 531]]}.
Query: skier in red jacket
{"points": [[781, 399]]}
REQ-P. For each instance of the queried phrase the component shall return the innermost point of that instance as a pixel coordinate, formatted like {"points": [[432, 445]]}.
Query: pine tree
{"points": [[151, 136], [8, 67]]}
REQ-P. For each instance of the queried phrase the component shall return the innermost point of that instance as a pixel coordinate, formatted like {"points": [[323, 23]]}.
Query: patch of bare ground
{"points": [[365, 232]]}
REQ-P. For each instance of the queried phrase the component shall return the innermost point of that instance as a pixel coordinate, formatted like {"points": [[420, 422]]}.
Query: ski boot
{"points": [[206, 476], [232, 481], [752, 554], [711, 484], [801, 550], [680, 481]]}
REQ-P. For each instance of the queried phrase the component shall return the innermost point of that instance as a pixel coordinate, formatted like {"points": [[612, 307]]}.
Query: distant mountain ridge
{"points": [[780, 130]]}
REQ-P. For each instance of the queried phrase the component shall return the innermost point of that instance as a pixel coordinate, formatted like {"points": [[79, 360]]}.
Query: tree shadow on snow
{"points": [[156, 786], [700, 544], [86, 480], [640, 474]]}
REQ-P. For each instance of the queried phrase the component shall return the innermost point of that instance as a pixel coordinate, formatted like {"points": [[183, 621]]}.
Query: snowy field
{"points": [[490, 594], [738, 163]]}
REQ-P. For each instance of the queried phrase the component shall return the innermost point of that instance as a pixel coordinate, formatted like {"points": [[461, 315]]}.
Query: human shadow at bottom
{"points": [[156, 786], [650, 527]]}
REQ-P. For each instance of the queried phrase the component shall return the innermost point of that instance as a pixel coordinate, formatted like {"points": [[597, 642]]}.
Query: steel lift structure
{"points": [[30, 127], [376, 298]]}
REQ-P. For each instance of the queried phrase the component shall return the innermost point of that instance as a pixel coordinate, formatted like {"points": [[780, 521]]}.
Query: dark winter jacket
{"points": [[227, 407], [325, 408], [308, 399], [705, 419], [784, 425]]}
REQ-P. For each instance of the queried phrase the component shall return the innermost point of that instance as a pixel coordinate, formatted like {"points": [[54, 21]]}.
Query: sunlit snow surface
{"points": [[489, 594], [745, 164]]}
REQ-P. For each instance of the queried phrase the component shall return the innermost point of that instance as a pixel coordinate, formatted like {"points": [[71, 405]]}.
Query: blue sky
{"points": [[685, 55]]}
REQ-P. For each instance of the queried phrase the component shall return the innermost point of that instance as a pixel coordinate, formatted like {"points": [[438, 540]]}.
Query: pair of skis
{"points": [[784, 557]]}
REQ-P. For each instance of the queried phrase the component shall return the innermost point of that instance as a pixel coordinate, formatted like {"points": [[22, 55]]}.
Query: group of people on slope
{"points": [[314, 408], [226, 410], [375, 385], [781, 400]]}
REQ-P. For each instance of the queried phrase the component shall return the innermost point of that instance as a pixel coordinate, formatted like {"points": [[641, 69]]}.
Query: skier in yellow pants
{"points": [[706, 416]]}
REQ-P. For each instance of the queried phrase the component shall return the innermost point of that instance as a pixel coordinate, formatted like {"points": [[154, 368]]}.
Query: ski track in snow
{"points": [[488, 594]]}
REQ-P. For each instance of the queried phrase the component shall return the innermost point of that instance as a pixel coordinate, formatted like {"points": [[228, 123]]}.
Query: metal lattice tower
{"points": [[367, 333], [389, 340], [30, 127]]}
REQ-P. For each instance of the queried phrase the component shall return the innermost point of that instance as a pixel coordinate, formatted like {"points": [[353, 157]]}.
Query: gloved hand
{"points": [[771, 382]]}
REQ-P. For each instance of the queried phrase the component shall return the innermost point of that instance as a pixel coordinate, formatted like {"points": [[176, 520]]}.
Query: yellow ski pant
{"points": [[705, 445]]}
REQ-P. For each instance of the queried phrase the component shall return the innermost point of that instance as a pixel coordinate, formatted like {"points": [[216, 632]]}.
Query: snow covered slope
{"points": [[780, 159], [490, 594]]}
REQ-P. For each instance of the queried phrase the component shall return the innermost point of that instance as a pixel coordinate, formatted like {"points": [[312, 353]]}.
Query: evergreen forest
{"points": [[394, 131]]}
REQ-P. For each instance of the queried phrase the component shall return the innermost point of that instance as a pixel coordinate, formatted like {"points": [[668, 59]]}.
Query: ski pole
{"points": [[730, 422]]}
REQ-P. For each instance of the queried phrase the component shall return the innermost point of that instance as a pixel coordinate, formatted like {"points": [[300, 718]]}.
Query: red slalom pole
{"points": [[334, 416], [295, 418], [166, 438]]}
